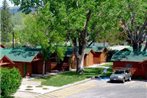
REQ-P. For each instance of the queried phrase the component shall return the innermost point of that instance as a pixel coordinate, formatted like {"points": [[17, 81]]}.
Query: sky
{"points": [[9, 3]]}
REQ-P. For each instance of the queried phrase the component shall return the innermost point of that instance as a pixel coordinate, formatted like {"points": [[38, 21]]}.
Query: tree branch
{"points": [[126, 29], [132, 19], [83, 33], [145, 48], [90, 43], [142, 28]]}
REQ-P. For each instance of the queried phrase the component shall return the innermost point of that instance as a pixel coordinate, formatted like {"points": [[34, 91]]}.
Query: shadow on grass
{"points": [[70, 73], [70, 77], [44, 77], [88, 72]]}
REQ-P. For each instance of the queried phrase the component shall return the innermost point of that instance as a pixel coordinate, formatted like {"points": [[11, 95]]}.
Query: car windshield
{"points": [[118, 72]]}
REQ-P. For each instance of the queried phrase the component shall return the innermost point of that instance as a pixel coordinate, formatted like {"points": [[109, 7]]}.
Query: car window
{"points": [[118, 72], [127, 71]]}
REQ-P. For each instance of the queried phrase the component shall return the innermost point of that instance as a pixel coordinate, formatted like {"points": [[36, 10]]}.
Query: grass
{"points": [[107, 74], [70, 77], [108, 64]]}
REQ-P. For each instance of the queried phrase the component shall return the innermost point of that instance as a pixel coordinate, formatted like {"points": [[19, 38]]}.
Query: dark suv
{"points": [[121, 75]]}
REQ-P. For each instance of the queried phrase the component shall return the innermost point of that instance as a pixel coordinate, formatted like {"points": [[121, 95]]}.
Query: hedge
{"points": [[10, 81]]}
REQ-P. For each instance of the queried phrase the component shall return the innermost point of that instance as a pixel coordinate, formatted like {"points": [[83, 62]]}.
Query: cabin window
{"points": [[128, 65]]}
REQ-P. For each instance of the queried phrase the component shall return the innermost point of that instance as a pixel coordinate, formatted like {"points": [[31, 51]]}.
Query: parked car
{"points": [[121, 75]]}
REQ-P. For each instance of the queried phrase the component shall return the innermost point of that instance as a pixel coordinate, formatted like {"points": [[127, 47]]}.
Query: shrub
{"points": [[10, 81]]}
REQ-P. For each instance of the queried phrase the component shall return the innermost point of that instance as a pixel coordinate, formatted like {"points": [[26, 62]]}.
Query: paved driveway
{"points": [[133, 89], [101, 89]]}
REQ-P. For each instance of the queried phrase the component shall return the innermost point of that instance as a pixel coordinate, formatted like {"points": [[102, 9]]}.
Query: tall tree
{"points": [[18, 26], [135, 25], [78, 18], [83, 20], [37, 32], [72, 17], [6, 25]]}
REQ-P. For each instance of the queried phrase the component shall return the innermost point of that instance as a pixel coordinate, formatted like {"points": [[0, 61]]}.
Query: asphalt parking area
{"points": [[95, 89], [104, 89]]}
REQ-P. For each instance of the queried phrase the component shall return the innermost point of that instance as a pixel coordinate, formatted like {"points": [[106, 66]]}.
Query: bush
{"points": [[10, 81]]}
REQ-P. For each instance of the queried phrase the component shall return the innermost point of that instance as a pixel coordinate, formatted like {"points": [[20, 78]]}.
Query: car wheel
{"points": [[123, 80], [129, 79], [110, 81]]}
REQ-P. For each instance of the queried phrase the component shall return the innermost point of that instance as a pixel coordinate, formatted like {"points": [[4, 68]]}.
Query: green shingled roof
{"points": [[3, 52], [1, 56], [20, 54], [120, 54], [97, 49], [87, 50], [94, 48], [129, 56], [69, 51], [135, 58]]}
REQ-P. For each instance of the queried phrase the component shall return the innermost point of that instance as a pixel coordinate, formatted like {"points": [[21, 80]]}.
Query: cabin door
{"points": [[25, 69]]}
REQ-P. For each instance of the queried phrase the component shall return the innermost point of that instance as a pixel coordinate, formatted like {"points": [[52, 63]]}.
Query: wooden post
{"points": [[43, 69]]}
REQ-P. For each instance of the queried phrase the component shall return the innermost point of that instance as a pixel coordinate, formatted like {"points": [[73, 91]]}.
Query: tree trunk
{"points": [[13, 39], [145, 48], [136, 48], [80, 62], [43, 68], [75, 52], [79, 56], [82, 42]]}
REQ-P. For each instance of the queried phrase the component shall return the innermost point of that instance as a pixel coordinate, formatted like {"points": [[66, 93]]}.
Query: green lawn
{"points": [[70, 77], [109, 64]]}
